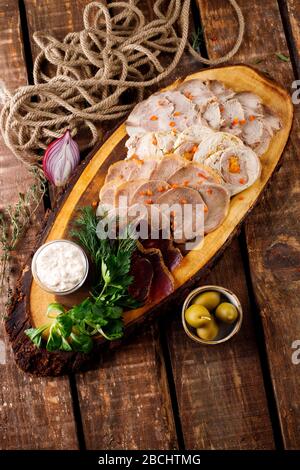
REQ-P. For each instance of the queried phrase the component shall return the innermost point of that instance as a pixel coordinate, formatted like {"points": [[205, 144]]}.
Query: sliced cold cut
{"points": [[217, 200], [150, 145], [196, 91], [185, 208], [193, 175], [149, 192], [213, 143], [167, 166], [239, 166]]}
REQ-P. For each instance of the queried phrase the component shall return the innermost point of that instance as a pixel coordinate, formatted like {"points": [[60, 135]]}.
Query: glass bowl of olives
{"points": [[211, 315]]}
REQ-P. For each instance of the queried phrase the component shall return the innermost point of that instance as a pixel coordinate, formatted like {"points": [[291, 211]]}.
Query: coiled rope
{"points": [[116, 54]]}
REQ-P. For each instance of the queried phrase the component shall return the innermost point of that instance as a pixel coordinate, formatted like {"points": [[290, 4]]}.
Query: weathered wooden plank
{"points": [[111, 419], [35, 413], [220, 390], [272, 230], [125, 404], [226, 415]]}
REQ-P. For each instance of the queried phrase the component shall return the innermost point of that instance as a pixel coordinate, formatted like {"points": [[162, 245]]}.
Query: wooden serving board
{"points": [[30, 305]]}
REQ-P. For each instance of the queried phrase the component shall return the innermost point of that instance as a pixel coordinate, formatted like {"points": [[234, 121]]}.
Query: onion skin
{"points": [[60, 160]]}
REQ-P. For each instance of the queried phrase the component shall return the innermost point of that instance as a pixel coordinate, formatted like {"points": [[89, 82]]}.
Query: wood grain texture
{"points": [[104, 425], [272, 230], [293, 17], [126, 404], [30, 408], [220, 391]]}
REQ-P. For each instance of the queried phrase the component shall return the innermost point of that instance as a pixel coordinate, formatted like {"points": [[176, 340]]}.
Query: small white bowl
{"points": [[227, 331], [46, 288]]}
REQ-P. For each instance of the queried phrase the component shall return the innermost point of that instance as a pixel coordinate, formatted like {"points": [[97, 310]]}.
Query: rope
{"points": [[80, 81]]}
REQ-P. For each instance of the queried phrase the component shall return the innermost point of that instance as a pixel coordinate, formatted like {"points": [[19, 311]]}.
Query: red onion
{"points": [[60, 159]]}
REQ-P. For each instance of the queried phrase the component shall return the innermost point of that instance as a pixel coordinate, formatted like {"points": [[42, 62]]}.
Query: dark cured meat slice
{"points": [[142, 272], [172, 256], [162, 282]]}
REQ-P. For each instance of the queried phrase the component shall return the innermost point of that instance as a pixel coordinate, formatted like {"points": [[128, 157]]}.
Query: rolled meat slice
{"points": [[151, 115], [144, 170], [232, 113], [162, 112], [271, 122], [187, 142], [262, 146], [167, 166], [213, 143], [219, 90], [253, 131], [217, 200], [239, 166], [251, 104], [196, 91], [150, 145], [213, 115]]}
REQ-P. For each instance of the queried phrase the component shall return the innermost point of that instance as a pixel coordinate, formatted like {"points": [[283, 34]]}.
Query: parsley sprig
{"points": [[101, 313]]}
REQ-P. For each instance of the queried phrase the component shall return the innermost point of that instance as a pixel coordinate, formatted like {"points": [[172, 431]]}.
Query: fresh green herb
{"points": [[101, 313], [15, 220], [282, 57], [197, 39]]}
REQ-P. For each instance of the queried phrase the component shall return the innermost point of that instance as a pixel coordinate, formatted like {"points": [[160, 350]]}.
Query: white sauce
{"points": [[60, 266]]}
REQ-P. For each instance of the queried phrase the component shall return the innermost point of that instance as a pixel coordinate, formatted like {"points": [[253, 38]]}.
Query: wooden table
{"points": [[160, 390]]}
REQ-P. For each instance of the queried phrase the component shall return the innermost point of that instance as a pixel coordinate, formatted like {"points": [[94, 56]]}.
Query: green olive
{"points": [[208, 330], [226, 312], [210, 299], [195, 314]]}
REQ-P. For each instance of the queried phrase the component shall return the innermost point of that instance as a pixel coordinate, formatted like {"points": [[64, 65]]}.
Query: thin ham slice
{"points": [[168, 165], [122, 170], [124, 192], [149, 192], [107, 192], [217, 199], [187, 224], [193, 175]]}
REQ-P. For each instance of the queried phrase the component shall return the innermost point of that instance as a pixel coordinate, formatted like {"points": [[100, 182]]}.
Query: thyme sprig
{"points": [[15, 220]]}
